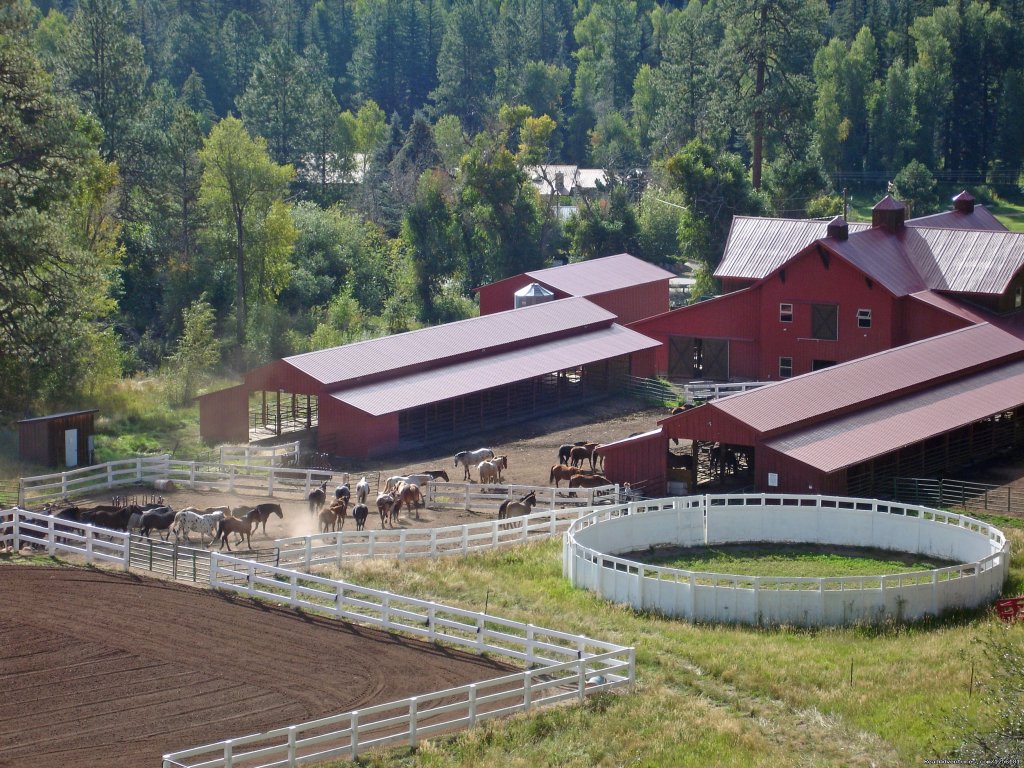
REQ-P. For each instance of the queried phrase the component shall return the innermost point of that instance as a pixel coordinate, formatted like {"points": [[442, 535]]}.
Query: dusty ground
{"points": [[531, 450], [114, 670]]}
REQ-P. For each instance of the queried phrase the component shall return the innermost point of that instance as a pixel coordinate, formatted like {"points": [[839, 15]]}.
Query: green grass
{"points": [[788, 560], [710, 694]]}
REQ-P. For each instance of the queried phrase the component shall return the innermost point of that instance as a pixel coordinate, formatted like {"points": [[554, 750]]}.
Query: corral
{"points": [[132, 659]]}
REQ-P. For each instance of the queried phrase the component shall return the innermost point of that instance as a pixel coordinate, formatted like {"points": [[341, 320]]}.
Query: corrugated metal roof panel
{"points": [[967, 261], [504, 368], [979, 218], [952, 306], [586, 278], [757, 246], [890, 426], [881, 256], [440, 342], [816, 394]]}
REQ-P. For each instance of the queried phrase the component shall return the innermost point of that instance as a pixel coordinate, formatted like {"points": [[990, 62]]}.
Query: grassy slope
{"points": [[709, 694]]}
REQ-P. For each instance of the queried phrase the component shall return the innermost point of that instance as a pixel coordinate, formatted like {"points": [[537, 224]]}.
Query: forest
{"points": [[194, 185]]}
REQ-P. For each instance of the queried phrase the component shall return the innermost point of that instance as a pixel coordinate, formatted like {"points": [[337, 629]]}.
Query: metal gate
{"points": [[181, 562]]}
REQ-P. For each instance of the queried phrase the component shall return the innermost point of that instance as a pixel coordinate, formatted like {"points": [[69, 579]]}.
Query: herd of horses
{"points": [[216, 522]]}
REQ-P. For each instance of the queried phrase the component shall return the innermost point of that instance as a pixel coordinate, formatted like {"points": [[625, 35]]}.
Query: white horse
{"points": [[190, 519], [362, 490], [490, 471], [472, 458]]}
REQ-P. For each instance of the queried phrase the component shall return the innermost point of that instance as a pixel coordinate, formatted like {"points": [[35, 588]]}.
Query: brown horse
{"points": [[561, 472], [385, 503], [408, 494], [262, 512], [230, 525], [333, 518], [317, 497], [524, 506], [588, 481]]}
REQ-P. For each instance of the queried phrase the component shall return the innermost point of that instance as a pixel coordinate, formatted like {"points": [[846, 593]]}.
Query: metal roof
{"points": [[980, 218], [897, 423], [53, 416], [586, 278], [881, 375], [451, 340], [757, 246], [966, 261], [463, 378], [882, 256], [952, 306]]}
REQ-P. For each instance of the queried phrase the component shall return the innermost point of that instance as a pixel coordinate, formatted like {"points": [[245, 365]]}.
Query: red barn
{"points": [[854, 291], [434, 384], [626, 286]]}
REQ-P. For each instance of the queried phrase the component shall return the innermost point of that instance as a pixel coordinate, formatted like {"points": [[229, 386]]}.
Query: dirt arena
{"points": [[114, 670], [531, 450]]}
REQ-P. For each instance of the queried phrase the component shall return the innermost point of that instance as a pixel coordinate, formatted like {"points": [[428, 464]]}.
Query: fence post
{"points": [[472, 704], [412, 721], [228, 758], [50, 542], [466, 504], [291, 744], [354, 738], [527, 690], [270, 480]]}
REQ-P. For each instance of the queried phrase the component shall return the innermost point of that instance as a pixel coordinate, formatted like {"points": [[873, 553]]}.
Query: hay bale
{"points": [[165, 486]]}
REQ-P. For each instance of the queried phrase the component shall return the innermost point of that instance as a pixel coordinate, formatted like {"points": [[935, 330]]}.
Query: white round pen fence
{"points": [[19, 527], [560, 667], [592, 543]]}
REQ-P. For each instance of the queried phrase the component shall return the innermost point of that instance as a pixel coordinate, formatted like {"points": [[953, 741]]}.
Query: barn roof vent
{"points": [[838, 229], [889, 213], [534, 293], [964, 202]]}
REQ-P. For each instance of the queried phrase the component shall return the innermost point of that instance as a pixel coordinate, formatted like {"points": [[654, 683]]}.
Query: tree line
{"points": [[201, 180]]}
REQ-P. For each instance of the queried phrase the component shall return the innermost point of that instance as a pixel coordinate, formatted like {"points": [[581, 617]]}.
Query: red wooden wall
{"points": [[224, 415]]}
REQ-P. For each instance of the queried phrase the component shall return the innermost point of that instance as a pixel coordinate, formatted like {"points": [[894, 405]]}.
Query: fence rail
{"points": [[260, 455], [711, 390], [976, 497], [19, 528], [470, 496], [562, 667]]}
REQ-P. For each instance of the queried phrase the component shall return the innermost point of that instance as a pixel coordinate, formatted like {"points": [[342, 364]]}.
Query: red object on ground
{"points": [[1010, 608]]}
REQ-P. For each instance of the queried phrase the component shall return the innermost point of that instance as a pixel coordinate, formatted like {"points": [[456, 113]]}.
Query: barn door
{"points": [[71, 447], [716, 359], [681, 357]]}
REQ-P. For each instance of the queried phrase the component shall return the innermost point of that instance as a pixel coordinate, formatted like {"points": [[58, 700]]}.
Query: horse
{"points": [[334, 516], [515, 508], [115, 518], [159, 519], [262, 512], [362, 490], [317, 497], [392, 483], [561, 472], [409, 494], [385, 502], [588, 481], [437, 474], [472, 458], [229, 525], [190, 519], [490, 471], [359, 513], [342, 492], [581, 453]]}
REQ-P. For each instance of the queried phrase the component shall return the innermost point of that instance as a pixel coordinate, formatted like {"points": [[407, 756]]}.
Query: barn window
{"points": [[824, 321], [863, 318], [1018, 297], [785, 367], [785, 313]]}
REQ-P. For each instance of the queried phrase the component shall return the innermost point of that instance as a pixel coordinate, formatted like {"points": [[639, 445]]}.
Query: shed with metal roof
{"points": [[628, 287]]}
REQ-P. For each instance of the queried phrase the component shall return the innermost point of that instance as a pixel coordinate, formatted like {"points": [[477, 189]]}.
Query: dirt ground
{"points": [[531, 450], [114, 670]]}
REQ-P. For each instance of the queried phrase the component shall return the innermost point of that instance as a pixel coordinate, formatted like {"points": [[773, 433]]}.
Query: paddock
{"points": [[116, 670]]}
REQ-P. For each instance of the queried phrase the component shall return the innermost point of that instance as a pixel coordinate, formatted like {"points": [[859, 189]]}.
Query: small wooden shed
{"points": [[58, 439]]}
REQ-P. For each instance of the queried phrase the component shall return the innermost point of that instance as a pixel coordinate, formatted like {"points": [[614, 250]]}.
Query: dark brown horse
{"points": [[231, 525], [385, 505], [159, 519], [317, 497], [359, 513], [262, 512]]}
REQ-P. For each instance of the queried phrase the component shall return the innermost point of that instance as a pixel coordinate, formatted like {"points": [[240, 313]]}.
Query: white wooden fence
{"points": [[981, 551], [710, 390], [561, 667], [261, 455], [19, 528], [472, 496], [308, 552]]}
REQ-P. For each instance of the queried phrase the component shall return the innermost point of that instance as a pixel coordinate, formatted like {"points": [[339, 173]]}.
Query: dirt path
{"points": [[116, 670]]}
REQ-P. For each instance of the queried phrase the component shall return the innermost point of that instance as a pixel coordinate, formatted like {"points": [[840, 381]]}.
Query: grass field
{"points": [[787, 560], [713, 695]]}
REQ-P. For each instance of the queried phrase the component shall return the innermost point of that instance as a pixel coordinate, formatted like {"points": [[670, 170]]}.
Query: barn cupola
{"points": [[964, 202], [889, 213], [838, 229]]}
